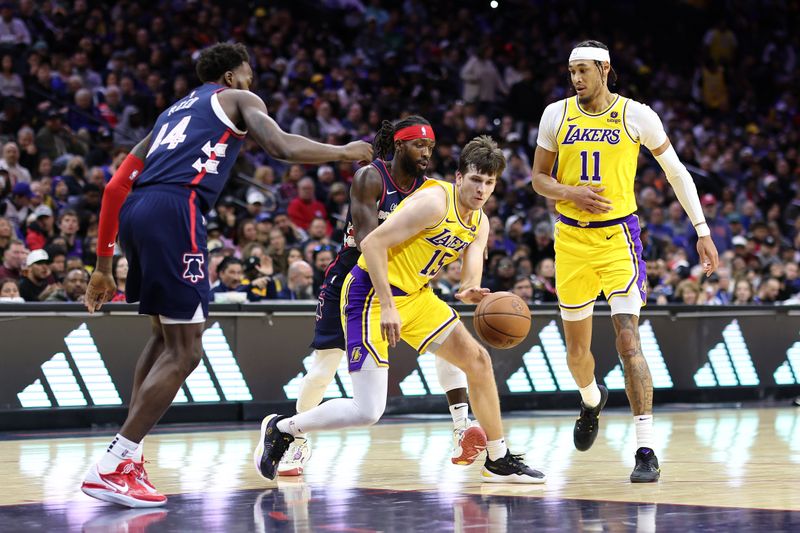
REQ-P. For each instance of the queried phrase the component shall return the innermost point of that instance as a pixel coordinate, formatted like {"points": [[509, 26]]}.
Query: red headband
{"points": [[417, 131]]}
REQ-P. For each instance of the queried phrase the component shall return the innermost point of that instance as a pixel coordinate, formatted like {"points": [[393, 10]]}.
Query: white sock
{"points": [[460, 414], [590, 394], [288, 425], [644, 431], [137, 455], [496, 449], [119, 450]]}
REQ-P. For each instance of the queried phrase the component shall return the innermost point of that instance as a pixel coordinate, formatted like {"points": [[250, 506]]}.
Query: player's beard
{"points": [[409, 167]]}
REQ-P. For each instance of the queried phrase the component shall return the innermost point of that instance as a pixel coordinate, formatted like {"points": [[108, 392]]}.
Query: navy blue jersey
{"points": [[194, 145], [391, 197]]}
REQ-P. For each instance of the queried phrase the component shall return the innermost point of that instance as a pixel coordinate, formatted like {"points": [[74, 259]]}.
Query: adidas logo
{"points": [[82, 378], [729, 362], [789, 372]]}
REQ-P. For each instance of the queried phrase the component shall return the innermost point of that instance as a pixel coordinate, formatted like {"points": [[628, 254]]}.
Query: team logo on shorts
{"points": [[355, 355], [194, 267], [320, 303]]}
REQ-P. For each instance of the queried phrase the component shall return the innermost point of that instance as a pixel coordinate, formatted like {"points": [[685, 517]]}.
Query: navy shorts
{"points": [[163, 235], [328, 331]]}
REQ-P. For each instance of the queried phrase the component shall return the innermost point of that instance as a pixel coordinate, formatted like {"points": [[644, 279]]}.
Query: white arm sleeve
{"points": [[683, 184], [548, 126], [644, 125]]}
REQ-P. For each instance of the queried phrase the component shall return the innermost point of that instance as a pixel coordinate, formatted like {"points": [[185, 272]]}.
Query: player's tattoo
{"points": [[638, 382]]}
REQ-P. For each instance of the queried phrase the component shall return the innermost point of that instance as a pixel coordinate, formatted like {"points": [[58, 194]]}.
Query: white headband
{"points": [[589, 52]]}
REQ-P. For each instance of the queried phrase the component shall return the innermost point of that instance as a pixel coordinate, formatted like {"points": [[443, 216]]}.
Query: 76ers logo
{"points": [[194, 267]]}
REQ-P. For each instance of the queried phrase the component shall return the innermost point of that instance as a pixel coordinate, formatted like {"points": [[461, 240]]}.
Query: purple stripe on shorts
{"points": [[633, 232]]}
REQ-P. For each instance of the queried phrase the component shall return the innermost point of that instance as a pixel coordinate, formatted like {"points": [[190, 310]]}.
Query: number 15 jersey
{"points": [[413, 263], [194, 145], [600, 150]]}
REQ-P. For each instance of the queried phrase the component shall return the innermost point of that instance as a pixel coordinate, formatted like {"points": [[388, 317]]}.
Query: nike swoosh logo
{"points": [[111, 245], [121, 488], [610, 236], [390, 193], [573, 118], [449, 221]]}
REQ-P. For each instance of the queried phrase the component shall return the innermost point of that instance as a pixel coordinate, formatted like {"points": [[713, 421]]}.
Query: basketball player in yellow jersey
{"points": [[387, 297], [596, 136]]}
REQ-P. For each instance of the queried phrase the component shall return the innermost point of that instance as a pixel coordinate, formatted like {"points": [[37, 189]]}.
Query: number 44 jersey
{"points": [[194, 145]]}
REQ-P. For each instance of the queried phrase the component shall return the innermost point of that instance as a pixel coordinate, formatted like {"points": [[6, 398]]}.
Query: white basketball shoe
{"points": [[295, 458]]}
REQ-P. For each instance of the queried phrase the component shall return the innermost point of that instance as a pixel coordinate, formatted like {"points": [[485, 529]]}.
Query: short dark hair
{"points": [[216, 60], [225, 263], [483, 154]]}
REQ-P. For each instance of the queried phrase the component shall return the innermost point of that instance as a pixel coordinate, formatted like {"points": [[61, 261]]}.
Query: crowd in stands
{"points": [[81, 82]]}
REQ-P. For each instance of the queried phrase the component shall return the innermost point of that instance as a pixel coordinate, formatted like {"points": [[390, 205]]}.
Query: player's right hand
{"points": [[101, 289], [390, 325], [358, 151], [589, 199]]}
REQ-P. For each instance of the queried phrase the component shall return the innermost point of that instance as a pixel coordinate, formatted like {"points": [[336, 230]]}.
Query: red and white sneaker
{"points": [[145, 480], [124, 486], [468, 443]]}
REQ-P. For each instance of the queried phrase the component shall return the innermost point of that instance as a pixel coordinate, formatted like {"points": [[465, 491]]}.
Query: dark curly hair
{"points": [[612, 74], [482, 154], [216, 60], [383, 143]]}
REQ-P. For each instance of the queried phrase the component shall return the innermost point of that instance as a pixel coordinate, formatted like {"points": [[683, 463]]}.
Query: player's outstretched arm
{"points": [[421, 210], [101, 286], [289, 147], [586, 198], [470, 291], [365, 192], [683, 184]]}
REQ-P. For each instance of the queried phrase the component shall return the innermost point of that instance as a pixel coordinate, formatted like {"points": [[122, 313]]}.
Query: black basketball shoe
{"points": [[271, 446], [588, 424], [646, 469], [509, 469]]}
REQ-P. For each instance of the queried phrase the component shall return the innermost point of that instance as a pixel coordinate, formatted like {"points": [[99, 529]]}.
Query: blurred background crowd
{"points": [[82, 81]]}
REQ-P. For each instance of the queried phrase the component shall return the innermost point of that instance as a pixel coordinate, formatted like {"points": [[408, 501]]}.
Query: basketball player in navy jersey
{"points": [[376, 191], [176, 174]]}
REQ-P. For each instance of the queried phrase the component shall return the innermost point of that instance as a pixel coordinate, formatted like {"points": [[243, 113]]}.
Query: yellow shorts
{"points": [[590, 259], [424, 318]]}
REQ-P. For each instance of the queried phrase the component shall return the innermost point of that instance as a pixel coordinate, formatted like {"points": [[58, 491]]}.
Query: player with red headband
{"points": [[376, 191]]}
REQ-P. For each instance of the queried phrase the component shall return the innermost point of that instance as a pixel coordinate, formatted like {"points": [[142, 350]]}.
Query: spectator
{"points": [[6, 234], [305, 207], [12, 30], [40, 230], [322, 257], [16, 208], [544, 283], [299, 283], [74, 287], [769, 291], [743, 292], [9, 291], [58, 261], [68, 227], [448, 281], [119, 268], [11, 85], [38, 283], [259, 281], [229, 273], [688, 292], [523, 288], [55, 139], [10, 162]]}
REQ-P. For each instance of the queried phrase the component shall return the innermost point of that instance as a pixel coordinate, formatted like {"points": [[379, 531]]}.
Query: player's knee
{"points": [[370, 414], [626, 343], [577, 351], [479, 363]]}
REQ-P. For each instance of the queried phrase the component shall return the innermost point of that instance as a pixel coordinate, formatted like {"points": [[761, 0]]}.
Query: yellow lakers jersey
{"points": [[413, 263], [597, 150]]}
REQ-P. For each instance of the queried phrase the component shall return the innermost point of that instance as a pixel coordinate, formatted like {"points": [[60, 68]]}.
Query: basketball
{"points": [[502, 320]]}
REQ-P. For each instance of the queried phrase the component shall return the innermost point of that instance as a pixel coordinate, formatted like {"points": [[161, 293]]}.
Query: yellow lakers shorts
{"points": [[598, 256], [424, 317]]}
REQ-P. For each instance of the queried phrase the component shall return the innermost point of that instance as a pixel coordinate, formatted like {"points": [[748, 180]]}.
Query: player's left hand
{"points": [[709, 257], [358, 151], [101, 289], [473, 295]]}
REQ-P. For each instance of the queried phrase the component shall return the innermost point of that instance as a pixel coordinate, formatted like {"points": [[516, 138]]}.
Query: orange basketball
{"points": [[502, 320]]}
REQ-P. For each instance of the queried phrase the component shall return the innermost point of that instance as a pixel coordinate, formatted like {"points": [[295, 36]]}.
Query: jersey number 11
{"points": [[595, 178]]}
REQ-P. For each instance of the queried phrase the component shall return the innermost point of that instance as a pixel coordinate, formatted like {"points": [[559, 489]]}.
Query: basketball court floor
{"points": [[722, 470]]}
